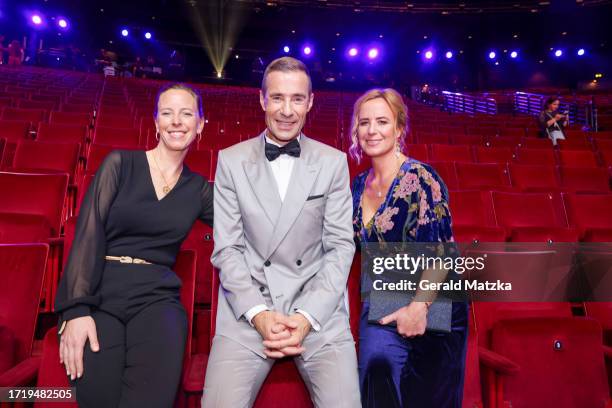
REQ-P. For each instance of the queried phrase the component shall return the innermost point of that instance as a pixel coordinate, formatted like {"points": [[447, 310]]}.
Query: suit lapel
{"points": [[262, 182], [303, 176]]}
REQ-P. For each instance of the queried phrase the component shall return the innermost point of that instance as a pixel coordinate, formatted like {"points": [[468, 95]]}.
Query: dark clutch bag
{"points": [[383, 303]]}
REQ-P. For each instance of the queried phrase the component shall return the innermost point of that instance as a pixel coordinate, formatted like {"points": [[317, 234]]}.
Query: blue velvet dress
{"points": [[425, 371]]}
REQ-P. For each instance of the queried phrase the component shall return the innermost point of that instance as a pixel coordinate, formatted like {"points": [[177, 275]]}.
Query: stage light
{"points": [[62, 23], [449, 54], [307, 50], [492, 55], [125, 32], [580, 52], [353, 52], [428, 55], [148, 35], [286, 49], [36, 19], [558, 53], [513, 54], [373, 53]]}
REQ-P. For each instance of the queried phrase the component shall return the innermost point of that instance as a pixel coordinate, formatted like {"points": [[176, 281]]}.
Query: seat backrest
{"points": [[61, 133], [585, 179], [22, 267], [577, 158], [454, 153], [21, 228], [472, 207], [589, 210], [482, 175], [528, 210], [42, 194], [31, 157], [561, 362], [527, 177]]}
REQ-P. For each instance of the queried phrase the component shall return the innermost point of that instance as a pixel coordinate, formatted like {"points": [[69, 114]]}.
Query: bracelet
{"points": [[62, 327]]}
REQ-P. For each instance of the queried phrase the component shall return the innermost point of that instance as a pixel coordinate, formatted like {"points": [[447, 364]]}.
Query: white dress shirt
{"points": [[282, 168]]}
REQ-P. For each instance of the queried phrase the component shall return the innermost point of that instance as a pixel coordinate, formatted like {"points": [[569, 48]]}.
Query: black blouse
{"points": [[121, 216]]}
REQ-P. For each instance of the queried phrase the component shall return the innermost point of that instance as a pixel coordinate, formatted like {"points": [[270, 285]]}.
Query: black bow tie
{"points": [[292, 149]]}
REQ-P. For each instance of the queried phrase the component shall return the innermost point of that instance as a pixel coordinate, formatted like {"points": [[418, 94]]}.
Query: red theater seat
{"points": [[494, 154], [200, 240], [44, 157], [417, 151], [569, 369], [70, 118], [584, 179], [577, 158], [21, 268], [200, 161], [591, 214], [484, 176], [42, 194], [532, 178], [61, 133], [117, 137], [28, 115], [23, 228], [451, 153], [537, 157], [473, 217], [532, 217]]}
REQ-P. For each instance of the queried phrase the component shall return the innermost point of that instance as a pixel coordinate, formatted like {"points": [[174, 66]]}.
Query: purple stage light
{"points": [[353, 52], [36, 19], [148, 35], [429, 54], [449, 54], [373, 53], [580, 52], [62, 23], [558, 53], [513, 54], [286, 49], [492, 55], [125, 32], [307, 50]]}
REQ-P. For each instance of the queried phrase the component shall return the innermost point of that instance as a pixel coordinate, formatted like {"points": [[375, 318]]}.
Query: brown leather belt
{"points": [[127, 260]]}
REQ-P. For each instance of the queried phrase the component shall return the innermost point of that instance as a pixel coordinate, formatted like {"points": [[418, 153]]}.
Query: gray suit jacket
{"points": [[291, 254]]}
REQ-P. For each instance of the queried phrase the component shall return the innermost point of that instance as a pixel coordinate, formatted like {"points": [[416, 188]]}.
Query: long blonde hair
{"points": [[397, 106]]}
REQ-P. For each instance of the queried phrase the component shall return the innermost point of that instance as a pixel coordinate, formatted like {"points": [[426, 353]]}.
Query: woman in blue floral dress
{"points": [[402, 200]]}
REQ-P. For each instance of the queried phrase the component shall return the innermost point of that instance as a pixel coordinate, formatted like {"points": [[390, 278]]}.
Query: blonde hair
{"points": [[181, 87], [397, 106]]}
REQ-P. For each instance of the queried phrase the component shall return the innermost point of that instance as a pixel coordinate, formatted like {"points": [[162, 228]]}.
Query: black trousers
{"points": [[140, 360]]}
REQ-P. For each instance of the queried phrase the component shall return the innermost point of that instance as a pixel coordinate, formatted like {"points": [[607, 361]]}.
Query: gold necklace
{"points": [[166, 188]]}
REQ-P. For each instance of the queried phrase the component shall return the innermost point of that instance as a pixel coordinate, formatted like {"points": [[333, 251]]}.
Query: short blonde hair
{"points": [[181, 87], [397, 106]]}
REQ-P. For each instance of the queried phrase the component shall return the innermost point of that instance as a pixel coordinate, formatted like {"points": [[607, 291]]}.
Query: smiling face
{"points": [[376, 130], [286, 102], [178, 121]]}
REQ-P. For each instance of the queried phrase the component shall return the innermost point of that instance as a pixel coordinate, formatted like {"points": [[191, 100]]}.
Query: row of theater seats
{"points": [[40, 208]]}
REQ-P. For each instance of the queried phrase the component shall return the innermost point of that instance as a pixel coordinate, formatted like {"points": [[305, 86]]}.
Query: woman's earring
{"points": [[398, 149], [199, 137], [157, 136]]}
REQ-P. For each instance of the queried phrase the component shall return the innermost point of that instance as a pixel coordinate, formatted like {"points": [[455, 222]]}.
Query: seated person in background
{"points": [[551, 121]]}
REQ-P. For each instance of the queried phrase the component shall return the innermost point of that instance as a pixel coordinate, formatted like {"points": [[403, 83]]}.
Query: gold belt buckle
{"points": [[126, 259]]}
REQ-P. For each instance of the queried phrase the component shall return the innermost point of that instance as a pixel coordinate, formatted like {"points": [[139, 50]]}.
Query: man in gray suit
{"points": [[283, 247]]}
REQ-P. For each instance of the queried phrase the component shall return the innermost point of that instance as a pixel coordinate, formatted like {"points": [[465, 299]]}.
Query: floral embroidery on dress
{"points": [[416, 208], [383, 221]]}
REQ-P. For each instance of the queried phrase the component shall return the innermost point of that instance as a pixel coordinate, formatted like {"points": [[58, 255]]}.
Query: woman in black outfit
{"points": [[551, 121], [118, 292]]}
